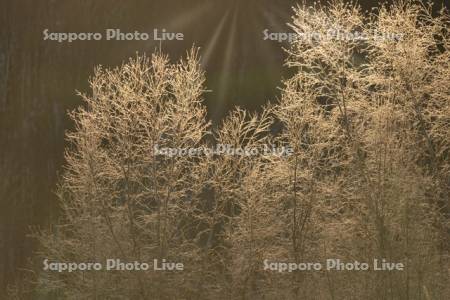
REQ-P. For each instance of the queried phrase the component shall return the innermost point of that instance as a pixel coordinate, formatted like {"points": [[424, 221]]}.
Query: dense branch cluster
{"points": [[368, 121]]}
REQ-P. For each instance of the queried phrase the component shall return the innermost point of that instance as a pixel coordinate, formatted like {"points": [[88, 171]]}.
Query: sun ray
{"points": [[274, 22], [182, 21], [190, 16], [223, 86], [213, 41], [266, 51]]}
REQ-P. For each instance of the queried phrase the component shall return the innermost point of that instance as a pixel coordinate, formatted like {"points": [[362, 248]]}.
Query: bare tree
{"points": [[119, 197], [367, 117]]}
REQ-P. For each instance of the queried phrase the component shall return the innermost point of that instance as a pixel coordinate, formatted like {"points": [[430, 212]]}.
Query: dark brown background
{"points": [[38, 80]]}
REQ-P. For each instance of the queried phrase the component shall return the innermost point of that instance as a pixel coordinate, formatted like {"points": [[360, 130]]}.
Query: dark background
{"points": [[38, 80]]}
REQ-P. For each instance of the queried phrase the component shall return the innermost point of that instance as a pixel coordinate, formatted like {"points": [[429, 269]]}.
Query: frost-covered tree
{"points": [[120, 198], [367, 115]]}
